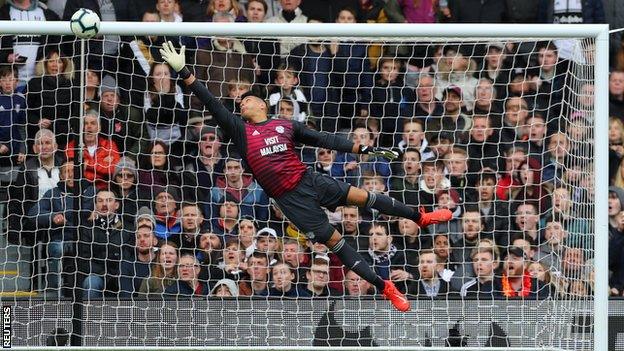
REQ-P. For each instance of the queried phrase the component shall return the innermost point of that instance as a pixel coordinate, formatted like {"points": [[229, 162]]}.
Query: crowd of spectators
{"points": [[156, 203]]}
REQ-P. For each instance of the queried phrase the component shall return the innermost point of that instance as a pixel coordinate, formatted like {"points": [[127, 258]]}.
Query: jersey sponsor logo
{"points": [[273, 149], [255, 133], [279, 129]]}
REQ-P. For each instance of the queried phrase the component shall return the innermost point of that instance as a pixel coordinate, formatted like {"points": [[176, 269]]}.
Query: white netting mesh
{"points": [[498, 131]]}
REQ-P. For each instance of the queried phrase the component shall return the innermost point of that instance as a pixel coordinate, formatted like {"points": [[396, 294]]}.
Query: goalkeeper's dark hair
{"points": [[254, 94]]}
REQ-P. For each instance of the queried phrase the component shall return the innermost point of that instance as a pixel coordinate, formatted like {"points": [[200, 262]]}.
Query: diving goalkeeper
{"points": [[268, 147]]}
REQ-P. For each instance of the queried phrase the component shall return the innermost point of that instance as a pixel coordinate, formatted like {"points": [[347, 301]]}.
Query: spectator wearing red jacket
{"points": [[99, 156]]}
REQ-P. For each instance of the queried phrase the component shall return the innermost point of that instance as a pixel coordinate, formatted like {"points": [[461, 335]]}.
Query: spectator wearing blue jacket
{"points": [[167, 212]]}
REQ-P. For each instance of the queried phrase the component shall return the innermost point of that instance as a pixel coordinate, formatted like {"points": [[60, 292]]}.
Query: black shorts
{"points": [[302, 205]]}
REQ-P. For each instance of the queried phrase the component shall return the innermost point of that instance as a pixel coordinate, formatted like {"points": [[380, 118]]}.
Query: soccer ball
{"points": [[85, 23]]}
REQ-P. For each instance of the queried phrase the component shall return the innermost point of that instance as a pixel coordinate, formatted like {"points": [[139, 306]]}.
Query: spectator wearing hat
{"points": [[252, 200], [49, 94], [125, 187], [188, 284], [100, 155], [145, 216], [166, 212], [19, 51], [516, 281], [122, 123], [257, 282], [454, 120], [225, 288], [267, 242], [138, 265]]}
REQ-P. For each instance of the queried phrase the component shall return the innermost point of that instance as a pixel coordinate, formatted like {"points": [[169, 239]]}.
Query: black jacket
{"points": [[477, 11]]}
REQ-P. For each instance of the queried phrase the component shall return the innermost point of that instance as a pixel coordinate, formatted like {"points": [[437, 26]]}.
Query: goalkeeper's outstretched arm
{"points": [[224, 118]]}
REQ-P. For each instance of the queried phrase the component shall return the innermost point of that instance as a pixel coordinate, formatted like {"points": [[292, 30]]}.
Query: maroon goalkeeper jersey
{"points": [[268, 147], [271, 156]]}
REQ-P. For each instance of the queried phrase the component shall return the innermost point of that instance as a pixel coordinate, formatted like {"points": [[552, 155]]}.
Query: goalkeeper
{"points": [[268, 147]]}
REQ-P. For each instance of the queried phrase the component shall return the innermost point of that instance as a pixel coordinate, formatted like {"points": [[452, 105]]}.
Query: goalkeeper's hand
{"points": [[379, 152], [176, 60]]}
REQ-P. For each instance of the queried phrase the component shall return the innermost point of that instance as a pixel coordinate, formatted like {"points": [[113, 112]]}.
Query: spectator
{"points": [[324, 160], [102, 245], [39, 174], [384, 257], [137, 265], [258, 271], [496, 70], [233, 265], [267, 243], [457, 70], [18, 50], [164, 106], [386, 95], [121, 123], [352, 167], [408, 11], [410, 241], [521, 11], [591, 11], [188, 284], [125, 187], [495, 214], [157, 169], [444, 252], [432, 180], [477, 11], [514, 121], [351, 74], [92, 86], [100, 155], [243, 189], [457, 165], [295, 255], [284, 284], [290, 13], [550, 252], [167, 11], [222, 60], [247, 227], [225, 288], [616, 94], [529, 186], [166, 213], [513, 158], [563, 210], [56, 217], [286, 82], [536, 145], [265, 51], [426, 105], [208, 251], [356, 286], [225, 6], [552, 77], [485, 264], [352, 228], [413, 136], [318, 279], [192, 221], [136, 58], [49, 94], [483, 150], [235, 89], [516, 281], [229, 214], [526, 222], [164, 272], [201, 168], [12, 121], [450, 200], [558, 150], [405, 188], [472, 227], [429, 283]]}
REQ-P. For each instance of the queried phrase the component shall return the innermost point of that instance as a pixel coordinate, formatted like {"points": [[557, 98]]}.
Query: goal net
{"points": [[131, 219]]}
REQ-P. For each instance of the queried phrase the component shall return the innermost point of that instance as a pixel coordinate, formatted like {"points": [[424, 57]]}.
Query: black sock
{"points": [[387, 205], [355, 262]]}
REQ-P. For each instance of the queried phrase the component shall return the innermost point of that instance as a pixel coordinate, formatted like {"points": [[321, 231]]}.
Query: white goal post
{"points": [[597, 32]]}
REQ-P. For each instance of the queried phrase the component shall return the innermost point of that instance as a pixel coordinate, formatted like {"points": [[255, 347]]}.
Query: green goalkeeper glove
{"points": [[379, 152], [176, 60]]}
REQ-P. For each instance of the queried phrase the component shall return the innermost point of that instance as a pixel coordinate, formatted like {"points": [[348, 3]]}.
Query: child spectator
{"points": [[286, 82], [233, 265], [12, 120], [225, 288], [236, 88]]}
